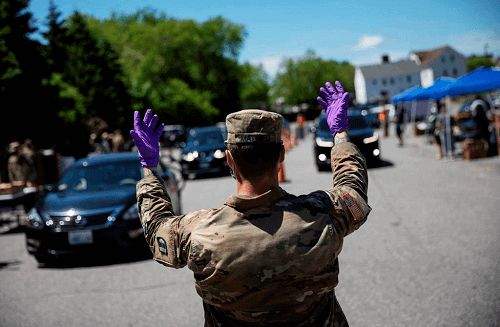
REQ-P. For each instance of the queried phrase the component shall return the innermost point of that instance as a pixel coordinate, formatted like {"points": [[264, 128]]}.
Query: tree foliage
{"points": [[86, 80], [299, 79], [21, 70], [476, 62], [254, 87], [187, 71]]}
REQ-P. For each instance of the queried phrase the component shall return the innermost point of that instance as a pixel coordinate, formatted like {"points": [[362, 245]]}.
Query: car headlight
{"points": [[323, 143], [34, 219], [371, 139], [190, 156], [219, 154], [131, 213]]}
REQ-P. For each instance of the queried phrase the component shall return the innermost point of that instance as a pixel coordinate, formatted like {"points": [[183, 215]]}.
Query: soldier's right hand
{"points": [[336, 106], [146, 138]]}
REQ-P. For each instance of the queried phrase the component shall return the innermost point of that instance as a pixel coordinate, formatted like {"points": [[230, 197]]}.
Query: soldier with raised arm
{"points": [[265, 257]]}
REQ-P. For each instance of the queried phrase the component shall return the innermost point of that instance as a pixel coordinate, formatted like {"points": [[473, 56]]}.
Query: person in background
{"points": [[399, 120], [117, 141], [19, 168], [265, 257], [479, 110]]}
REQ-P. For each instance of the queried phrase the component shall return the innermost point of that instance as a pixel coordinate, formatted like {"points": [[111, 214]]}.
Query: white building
{"points": [[387, 79]]}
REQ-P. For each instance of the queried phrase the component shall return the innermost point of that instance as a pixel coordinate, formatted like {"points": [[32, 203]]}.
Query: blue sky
{"points": [[356, 31]]}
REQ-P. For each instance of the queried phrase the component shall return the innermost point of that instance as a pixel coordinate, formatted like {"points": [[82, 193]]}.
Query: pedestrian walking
{"points": [[399, 120], [265, 257]]}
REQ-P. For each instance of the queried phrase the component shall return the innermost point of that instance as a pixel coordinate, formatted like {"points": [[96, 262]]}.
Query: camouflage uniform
{"points": [[265, 260]]}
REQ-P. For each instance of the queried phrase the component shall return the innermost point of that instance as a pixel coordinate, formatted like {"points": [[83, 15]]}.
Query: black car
{"points": [[204, 152], [360, 133], [174, 136], [93, 206]]}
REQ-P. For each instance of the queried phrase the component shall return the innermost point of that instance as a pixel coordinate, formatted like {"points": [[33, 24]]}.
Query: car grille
{"points": [[71, 222]]}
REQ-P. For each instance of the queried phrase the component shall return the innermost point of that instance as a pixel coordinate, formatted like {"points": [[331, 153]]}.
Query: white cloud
{"points": [[368, 42], [271, 65]]}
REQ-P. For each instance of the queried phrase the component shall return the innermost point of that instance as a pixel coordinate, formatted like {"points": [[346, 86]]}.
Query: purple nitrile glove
{"points": [[146, 138], [335, 106]]}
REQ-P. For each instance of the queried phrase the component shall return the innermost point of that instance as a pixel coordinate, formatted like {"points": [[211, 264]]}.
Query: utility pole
{"points": [[486, 50]]}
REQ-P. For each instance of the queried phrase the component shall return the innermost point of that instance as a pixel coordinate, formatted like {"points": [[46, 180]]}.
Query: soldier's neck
{"points": [[256, 188]]}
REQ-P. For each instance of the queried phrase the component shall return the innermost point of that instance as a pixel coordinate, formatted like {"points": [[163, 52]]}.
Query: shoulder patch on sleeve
{"points": [[162, 245], [353, 207]]}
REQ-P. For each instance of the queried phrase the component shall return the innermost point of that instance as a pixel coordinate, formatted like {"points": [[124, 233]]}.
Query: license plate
{"points": [[80, 237], [204, 165]]}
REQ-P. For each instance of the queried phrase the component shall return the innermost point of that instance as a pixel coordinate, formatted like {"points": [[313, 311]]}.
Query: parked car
{"points": [[93, 206], [204, 152], [360, 133]]}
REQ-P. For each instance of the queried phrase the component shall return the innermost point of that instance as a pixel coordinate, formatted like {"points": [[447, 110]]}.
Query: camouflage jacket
{"points": [[265, 260]]}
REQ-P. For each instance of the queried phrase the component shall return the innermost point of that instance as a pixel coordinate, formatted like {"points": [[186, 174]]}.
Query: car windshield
{"points": [[100, 176], [355, 122], [203, 138]]}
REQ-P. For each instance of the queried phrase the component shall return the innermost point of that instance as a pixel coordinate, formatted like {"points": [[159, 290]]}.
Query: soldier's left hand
{"points": [[146, 138], [336, 106]]}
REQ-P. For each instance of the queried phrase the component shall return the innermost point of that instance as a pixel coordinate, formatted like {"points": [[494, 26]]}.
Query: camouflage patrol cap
{"points": [[254, 126]]}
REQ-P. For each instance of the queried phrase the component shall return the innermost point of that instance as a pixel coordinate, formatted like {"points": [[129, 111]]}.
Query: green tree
{"points": [[21, 70], [88, 81], [254, 87], [300, 79], [187, 71], [476, 62]]}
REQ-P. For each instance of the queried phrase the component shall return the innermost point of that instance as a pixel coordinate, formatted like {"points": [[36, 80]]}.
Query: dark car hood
{"points": [[202, 148], [361, 132], [325, 135], [63, 201], [354, 133]]}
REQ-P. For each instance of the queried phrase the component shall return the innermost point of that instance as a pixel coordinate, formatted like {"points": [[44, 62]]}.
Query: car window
{"points": [[355, 122], [203, 138], [100, 176]]}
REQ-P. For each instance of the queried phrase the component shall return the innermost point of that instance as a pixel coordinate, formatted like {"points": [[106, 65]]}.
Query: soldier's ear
{"points": [[228, 159], [282, 154]]}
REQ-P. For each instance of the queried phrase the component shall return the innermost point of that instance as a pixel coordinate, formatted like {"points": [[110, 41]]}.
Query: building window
{"points": [[452, 58], [408, 78], [455, 72], [445, 72], [384, 81], [374, 82], [392, 81], [443, 59]]}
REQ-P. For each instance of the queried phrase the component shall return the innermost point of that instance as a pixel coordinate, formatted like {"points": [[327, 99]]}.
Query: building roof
{"points": [[428, 56], [391, 69]]}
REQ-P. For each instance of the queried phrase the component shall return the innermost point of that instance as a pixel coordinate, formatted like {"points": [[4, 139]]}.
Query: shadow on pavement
{"points": [[107, 258], [10, 265]]}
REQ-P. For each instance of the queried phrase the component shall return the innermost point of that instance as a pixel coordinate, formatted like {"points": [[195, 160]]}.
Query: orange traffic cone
{"points": [[281, 173]]}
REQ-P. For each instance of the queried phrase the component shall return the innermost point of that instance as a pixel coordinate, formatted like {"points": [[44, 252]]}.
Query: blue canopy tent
{"points": [[436, 90], [480, 80], [401, 96]]}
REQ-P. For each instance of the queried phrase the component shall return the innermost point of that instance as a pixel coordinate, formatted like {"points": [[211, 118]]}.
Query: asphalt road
{"points": [[429, 255]]}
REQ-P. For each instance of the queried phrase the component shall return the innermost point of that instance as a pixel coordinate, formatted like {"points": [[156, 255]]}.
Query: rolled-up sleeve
{"points": [[350, 187], [163, 230]]}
